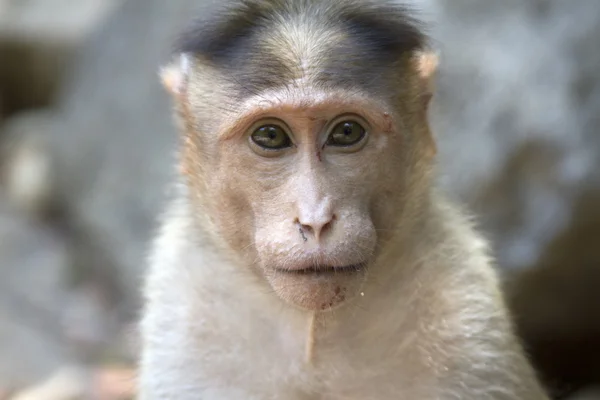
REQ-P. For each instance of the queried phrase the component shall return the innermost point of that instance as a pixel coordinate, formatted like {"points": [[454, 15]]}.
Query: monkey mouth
{"points": [[318, 287], [324, 270]]}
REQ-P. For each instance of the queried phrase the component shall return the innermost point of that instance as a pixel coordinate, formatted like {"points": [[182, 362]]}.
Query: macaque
{"points": [[306, 254]]}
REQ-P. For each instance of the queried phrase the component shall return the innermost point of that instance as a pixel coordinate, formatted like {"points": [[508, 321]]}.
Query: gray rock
{"points": [[33, 261], [25, 170], [589, 394], [114, 140], [38, 39], [45, 322], [517, 115]]}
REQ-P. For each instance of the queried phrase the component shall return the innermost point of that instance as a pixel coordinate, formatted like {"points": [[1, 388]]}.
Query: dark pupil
{"points": [[271, 137], [348, 129], [346, 134]]}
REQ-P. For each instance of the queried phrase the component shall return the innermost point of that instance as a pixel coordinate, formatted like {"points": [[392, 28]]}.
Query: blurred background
{"points": [[86, 144]]}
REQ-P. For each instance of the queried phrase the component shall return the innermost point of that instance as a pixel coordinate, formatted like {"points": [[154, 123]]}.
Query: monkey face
{"points": [[303, 146], [306, 190]]}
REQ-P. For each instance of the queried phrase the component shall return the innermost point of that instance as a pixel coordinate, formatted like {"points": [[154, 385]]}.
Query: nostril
{"points": [[316, 229], [307, 229], [328, 225]]}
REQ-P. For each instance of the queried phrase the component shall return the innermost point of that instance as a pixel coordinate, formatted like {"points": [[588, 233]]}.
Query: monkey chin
{"points": [[318, 288]]}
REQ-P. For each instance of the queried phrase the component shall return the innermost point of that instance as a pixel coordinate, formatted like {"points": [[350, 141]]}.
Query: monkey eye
{"points": [[271, 137], [347, 133]]}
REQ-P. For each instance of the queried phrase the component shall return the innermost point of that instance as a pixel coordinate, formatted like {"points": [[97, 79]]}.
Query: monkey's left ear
{"points": [[426, 65], [175, 75]]}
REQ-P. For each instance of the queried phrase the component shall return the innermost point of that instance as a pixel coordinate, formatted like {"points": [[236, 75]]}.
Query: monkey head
{"points": [[305, 142]]}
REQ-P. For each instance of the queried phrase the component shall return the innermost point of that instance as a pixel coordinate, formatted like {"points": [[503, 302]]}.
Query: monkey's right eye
{"points": [[271, 137]]}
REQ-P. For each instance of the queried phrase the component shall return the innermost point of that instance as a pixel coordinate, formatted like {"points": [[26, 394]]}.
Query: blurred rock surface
{"points": [[44, 322], [32, 264], [66, 384], [113, 142], [589, 394], [38, 39], [518, 114], [25, 170]]}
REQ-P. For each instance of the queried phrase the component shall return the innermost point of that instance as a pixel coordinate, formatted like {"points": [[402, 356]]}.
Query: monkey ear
{"points": [[174, 76], [426, 65]]}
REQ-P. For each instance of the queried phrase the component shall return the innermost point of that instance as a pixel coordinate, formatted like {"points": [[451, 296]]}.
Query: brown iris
{"points": [[347, 133], [271, 137]]}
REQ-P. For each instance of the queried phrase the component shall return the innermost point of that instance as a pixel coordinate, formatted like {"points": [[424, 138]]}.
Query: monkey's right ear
{"points": [[427, 65], [175, 75]]}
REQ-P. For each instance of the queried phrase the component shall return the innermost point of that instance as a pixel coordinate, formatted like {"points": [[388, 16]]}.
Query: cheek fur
{"points": [[235, 222], [231, 206], [247, 205]]}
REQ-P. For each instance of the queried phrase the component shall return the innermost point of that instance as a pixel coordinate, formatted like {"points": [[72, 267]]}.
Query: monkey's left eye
{"points": [[347, 133], [271, 137]]}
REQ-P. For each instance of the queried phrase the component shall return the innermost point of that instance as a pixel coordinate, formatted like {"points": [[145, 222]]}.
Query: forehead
{"points": [[262, 45], [314, 106]]}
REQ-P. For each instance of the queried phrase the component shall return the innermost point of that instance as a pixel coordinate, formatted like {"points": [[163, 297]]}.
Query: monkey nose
{"points": [[315, 227]]}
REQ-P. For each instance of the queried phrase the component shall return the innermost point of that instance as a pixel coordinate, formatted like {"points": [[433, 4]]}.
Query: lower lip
{"points": [[323, 271]]}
